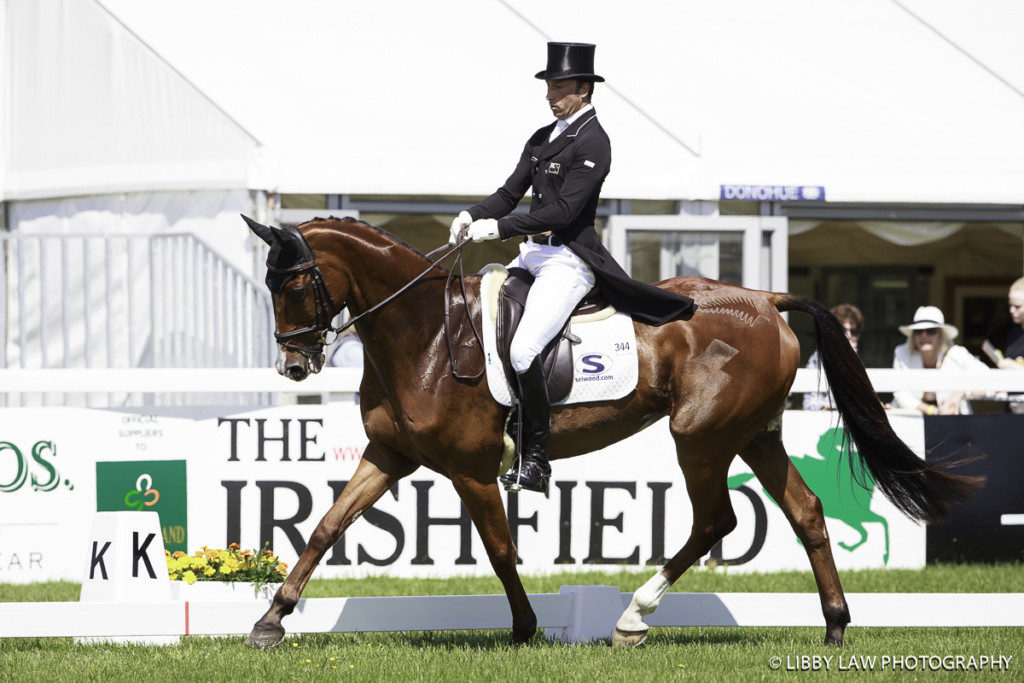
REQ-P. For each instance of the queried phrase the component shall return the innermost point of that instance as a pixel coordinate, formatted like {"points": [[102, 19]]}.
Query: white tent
{"points": [[910, 101]]}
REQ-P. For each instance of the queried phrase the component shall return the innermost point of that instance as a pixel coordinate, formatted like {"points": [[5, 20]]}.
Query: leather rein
{"points": [[325, 307]]}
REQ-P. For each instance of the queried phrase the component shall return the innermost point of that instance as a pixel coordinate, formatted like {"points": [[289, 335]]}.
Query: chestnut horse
{"points": [[722, 378]]}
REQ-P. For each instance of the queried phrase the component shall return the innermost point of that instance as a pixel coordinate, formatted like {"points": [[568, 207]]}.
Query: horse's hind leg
{"points": [[767, 457], [483, 502], [377, 472], [713, 518]]}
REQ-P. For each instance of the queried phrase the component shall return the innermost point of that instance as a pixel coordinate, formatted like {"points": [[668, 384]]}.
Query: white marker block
{"points": [[594, 612], [125, 562]]}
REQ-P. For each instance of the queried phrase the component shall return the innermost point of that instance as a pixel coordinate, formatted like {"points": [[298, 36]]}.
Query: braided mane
{"points": [[350, 221]]}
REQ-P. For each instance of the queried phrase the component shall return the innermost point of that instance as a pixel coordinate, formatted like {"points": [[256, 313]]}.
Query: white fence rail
{"points": [[107, 300], [575, 614], [346, 380]]}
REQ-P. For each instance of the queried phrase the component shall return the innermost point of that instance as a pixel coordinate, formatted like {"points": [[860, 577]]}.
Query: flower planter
{"points": [[222, 591]]}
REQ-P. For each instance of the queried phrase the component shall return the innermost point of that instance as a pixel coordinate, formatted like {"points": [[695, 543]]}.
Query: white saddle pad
{"points": [[604, 362]]}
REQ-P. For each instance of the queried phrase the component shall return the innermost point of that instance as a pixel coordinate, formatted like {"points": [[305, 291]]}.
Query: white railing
{"points": [[346, 380], [889, 379], [177, 380], [575, 614], [125, 300]]}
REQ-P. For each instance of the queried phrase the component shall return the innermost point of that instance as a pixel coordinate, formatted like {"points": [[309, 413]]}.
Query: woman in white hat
{"points": [[930, 345]]}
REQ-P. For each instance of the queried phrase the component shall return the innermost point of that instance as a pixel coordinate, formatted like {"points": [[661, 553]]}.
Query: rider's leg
{"points": [[561, 281], [534, 470]]}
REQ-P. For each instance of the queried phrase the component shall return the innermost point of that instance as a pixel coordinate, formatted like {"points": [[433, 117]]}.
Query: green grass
{"points": [[705, 653]]}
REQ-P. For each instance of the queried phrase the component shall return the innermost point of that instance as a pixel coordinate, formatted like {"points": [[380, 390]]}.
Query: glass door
{"points": [[742, 250]]}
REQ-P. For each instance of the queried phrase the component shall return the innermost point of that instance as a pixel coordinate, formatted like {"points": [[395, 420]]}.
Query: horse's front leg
{"points": [[487, 510], [377, 472]]}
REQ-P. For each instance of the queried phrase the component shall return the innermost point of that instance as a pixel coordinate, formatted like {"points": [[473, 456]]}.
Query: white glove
{"points": [[484, 229], [461, 221]]}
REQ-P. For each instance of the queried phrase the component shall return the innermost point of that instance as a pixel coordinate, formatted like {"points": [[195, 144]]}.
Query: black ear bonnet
{"points": [[288, 250]]}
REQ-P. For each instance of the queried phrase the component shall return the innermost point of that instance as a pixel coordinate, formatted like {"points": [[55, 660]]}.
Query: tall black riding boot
{"points": [[535, 472]]}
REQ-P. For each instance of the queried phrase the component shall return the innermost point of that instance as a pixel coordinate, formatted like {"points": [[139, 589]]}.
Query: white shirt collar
{"points": [[561, 124], [569, 121]]}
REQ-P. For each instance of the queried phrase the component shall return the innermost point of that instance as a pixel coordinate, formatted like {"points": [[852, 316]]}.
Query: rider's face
{"points": [[566, 97]]}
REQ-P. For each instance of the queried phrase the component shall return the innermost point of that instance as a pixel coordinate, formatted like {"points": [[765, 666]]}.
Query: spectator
{"points": [[1014, 356], [348, 353], [852, 320], [930, 345]]}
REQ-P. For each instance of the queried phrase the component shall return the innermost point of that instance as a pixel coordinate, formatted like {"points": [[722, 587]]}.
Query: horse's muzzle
{"points": [[297, 366]]}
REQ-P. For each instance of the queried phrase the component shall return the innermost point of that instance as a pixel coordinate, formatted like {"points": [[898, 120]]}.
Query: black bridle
{"points": [[325, 310], [324, 307]]}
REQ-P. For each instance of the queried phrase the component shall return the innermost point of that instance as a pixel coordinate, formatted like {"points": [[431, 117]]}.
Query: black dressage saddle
{"points": [[556, 358]]}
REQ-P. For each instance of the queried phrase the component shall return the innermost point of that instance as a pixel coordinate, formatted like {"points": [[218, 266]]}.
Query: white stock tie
{"points": [[560, 125]]}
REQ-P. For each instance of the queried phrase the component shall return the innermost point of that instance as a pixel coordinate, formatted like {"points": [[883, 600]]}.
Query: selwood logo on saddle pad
{"points": [[604, 362]]}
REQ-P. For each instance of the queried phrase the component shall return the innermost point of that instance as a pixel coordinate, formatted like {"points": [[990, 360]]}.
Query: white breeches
{"points": [[562, 279]]}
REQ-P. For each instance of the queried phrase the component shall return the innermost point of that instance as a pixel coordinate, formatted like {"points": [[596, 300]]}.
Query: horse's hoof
{"points": [[831, 639], [522, 637], [265, 637], [628, 638]]}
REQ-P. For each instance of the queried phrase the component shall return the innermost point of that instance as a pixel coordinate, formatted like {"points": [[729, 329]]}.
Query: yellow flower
{"points": [[178, 554], [189, 578], [210, 571], [226, 570], [173, 577]]}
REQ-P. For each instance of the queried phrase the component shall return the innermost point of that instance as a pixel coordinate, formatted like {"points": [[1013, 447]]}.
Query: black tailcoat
{"points": [[567, 174]]}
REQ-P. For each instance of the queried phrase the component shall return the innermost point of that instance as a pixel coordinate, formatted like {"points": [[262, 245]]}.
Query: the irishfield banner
{"points": [[269, 475]]}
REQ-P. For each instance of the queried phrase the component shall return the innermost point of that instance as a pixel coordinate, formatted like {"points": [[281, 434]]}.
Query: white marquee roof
{"points": [[903, 101]]}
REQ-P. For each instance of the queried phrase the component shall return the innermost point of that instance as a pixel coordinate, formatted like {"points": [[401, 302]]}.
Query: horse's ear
{"points": [[293, 243], [264, 232]]}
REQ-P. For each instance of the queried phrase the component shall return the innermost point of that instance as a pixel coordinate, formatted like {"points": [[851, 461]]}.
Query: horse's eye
{"points": [[295, 295]]}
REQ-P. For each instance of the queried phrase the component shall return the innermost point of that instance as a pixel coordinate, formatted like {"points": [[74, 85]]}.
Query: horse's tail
{"points": [[922, 490]]}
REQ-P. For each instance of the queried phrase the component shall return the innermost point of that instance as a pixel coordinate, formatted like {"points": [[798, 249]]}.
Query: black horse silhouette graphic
{"points": [[832, 480]]}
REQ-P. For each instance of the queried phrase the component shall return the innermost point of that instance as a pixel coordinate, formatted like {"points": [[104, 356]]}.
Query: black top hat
{"points": [[570, 60]]}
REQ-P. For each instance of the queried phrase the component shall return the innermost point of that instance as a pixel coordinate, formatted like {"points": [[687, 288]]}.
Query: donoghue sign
{"points": [[269, 475]]}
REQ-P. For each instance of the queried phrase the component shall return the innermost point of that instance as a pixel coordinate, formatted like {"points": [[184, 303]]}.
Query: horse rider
{"points": [[566, 163]]}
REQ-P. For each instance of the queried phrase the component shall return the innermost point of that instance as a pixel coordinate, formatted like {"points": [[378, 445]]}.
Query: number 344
{"points": [[622, 346]]}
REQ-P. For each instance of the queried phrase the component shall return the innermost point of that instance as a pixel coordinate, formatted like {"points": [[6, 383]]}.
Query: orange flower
{"points": [[233, 546]]}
